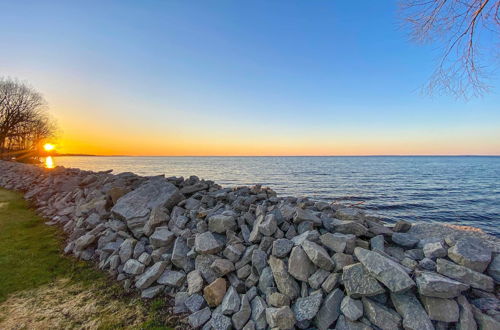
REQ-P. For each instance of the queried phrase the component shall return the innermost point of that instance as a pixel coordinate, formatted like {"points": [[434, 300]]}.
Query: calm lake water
{"points": [[457, 190]]}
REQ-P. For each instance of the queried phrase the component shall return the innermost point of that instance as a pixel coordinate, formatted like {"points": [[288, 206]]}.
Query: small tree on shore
{"points": [[469, 31], [24, 122]]}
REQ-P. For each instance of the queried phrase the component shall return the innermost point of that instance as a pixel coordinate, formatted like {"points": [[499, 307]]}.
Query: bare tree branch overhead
{"points": [[469, 31]]}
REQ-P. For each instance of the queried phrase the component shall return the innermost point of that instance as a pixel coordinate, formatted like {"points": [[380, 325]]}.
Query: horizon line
{"points": [[367, 155]]}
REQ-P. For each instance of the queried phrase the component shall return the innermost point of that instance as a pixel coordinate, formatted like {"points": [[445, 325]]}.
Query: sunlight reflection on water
{"points": [[49, 162]]}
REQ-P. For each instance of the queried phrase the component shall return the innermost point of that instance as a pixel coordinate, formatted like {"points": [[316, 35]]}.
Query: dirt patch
{"points": [[64, 306], [3, 204]]}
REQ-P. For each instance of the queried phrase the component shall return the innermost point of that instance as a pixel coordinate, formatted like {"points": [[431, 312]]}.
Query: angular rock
{"points": [[434, 250], [358, 282], [306, 308], [439, 309], [268, 225], [427, 264], [404, 239], [318, 255], [494, 268], [339, 243], [381, 316], [151, 274], [402, 226], [278, 299], [195, 282], [414, 315], [316, 279], [179, 255], [351, 308], [221, 223], [214, 292], [161, 237], [220, 321], [330, 282], [135, 206], [126, 249], [484, 321], [241, 317], [282, 247], [259, 313], [133, 267], [434, 285], [157, 218], [341, 260], [466, 317], [302, 215], [199, 318], [152, 292], [231, 302], [470, 253], [330, 310], [172, 278], [280, 318], [351, 227], [387, 271], [207, 244], [377, 243], [222, 266], [194, 303], [465, 275], [284, 282], [299, 264]]}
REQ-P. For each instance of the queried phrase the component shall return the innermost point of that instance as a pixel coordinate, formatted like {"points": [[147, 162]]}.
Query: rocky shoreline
{"points": [[243, 258]]}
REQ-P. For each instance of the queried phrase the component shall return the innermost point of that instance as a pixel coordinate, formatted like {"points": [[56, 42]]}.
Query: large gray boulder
{"points": [[351, 308], [380, 315], [135, 207], [439, 309], [435, 285], [358, 282], [471, 253], [150, 275], [241, 317], [206, 243], [318, 255], [466, 317], [339, 243], [280, 318], [299, 264], [414, 315], [465, 275], [387, 271], [284, 281], [220, 223], [330, 310], [306, 308]]}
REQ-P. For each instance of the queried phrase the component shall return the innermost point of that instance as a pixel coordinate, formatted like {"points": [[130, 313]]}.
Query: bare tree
{"points": [[470, 31], [24, 122]]}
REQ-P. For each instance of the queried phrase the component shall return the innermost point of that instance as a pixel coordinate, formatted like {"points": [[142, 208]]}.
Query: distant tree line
{"points": [[24, 122]]}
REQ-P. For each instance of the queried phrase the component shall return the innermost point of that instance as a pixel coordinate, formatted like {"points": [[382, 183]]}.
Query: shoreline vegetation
{"points": [[42, 289], [244, 258]]}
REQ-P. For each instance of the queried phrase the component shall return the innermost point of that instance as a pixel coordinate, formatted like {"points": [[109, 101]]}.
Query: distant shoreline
{"points": [[290, 156]]}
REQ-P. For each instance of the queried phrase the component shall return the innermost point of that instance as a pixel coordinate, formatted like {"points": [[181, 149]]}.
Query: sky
{"points": [[223, 77]]}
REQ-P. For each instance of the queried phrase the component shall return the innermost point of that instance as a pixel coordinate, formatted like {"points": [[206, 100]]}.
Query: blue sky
{"points": [[238, 77]]}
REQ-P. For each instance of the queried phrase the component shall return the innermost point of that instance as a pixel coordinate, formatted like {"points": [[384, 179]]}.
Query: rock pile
{"points": [[244, 258]]}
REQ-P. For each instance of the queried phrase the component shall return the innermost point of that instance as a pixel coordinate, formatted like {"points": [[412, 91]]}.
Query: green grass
{"points": [[31, 260]]}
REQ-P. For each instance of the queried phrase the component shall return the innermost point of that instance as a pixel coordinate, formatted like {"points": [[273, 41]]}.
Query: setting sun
{"points": [[48, 147]]}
